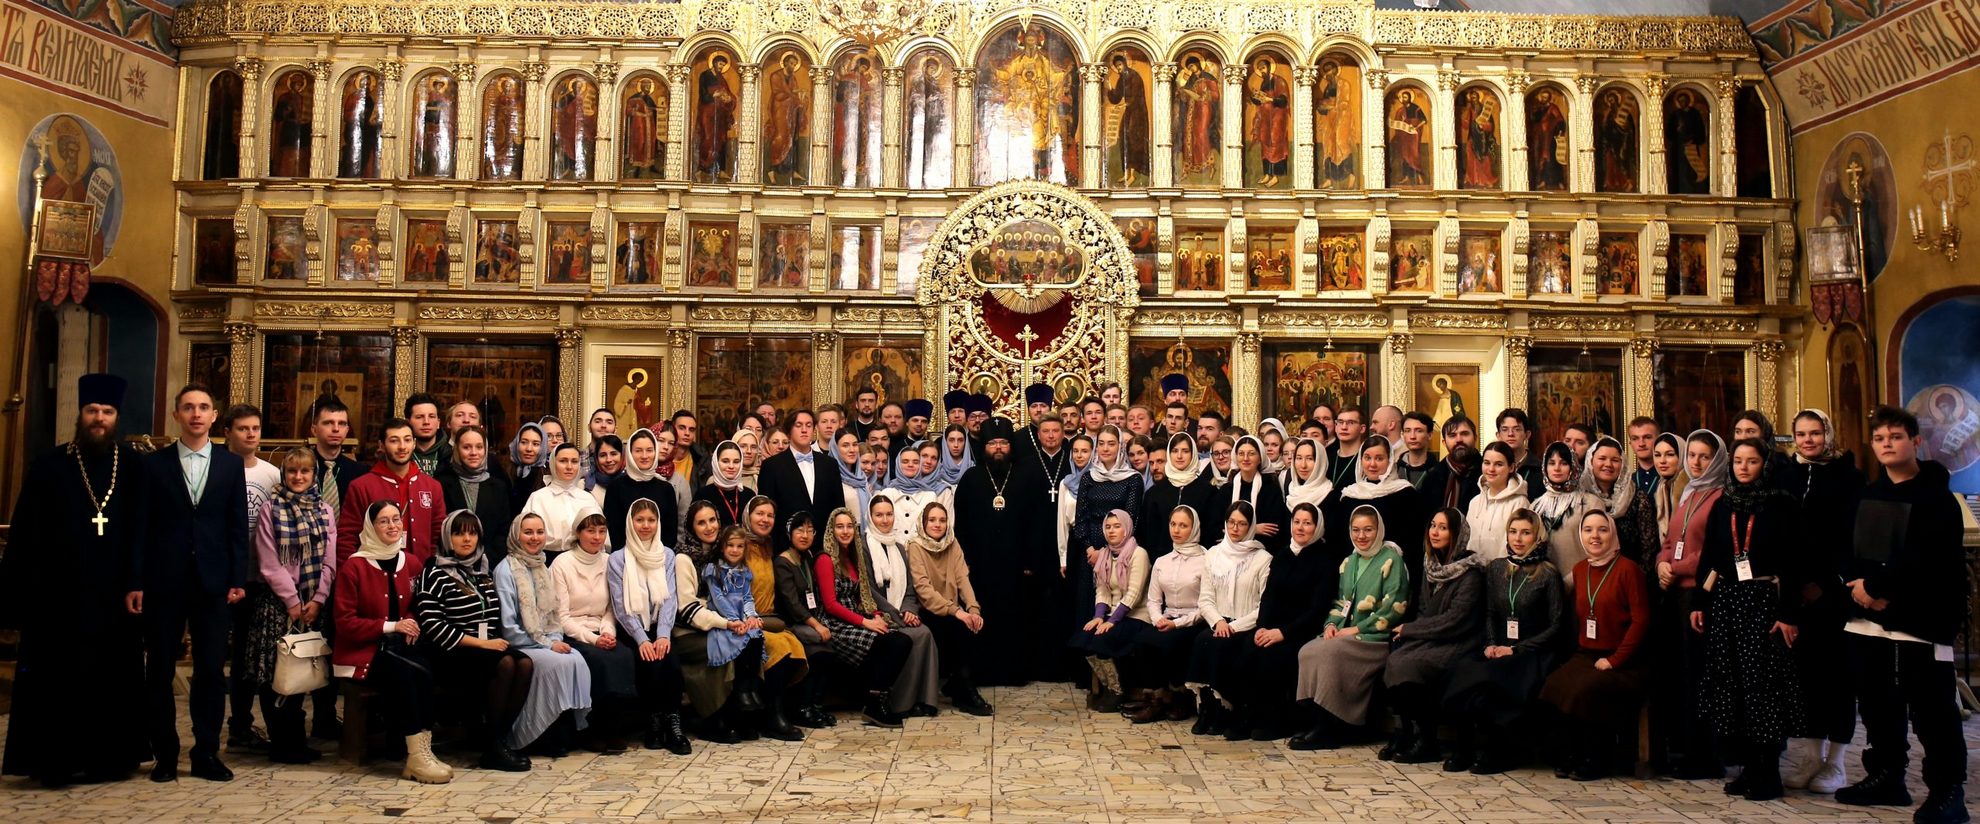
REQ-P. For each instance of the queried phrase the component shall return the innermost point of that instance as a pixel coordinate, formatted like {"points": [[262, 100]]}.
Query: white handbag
{"points": [[302, 663]]}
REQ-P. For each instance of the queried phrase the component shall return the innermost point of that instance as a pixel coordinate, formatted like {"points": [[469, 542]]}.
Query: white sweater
{"points": [[1176, 587], [1488, 514], [1235, 597]]}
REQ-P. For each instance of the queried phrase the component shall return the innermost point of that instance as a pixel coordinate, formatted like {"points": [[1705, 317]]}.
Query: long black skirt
{"points": [[612, 670], [1751, 690], [1165, 656], [1497, 690], [1114, 644]]}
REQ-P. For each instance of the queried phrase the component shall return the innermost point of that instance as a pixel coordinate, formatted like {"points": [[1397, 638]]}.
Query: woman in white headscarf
{"points": [[1338, 670], [752, 457], [1377, 484], [1175, 585], [1636, 516], [1181, 484], [376, 635], [1233, 584], [1259, 675], [642, 480], [1249, 482], [1307, 481], [892, 584], [1688, 738], [563, 497], [532, 621], [725, 488], [639, 578], [1273, 439]]}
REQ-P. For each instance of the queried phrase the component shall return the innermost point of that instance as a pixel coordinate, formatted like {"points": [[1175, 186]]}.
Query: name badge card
{"points": [[1512, 629]]}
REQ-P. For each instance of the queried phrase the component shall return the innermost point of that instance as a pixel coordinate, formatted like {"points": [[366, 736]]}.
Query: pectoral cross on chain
{"points": [[99, 521]]}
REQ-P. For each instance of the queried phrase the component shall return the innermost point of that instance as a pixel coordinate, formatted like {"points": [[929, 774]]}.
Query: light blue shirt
{"points": [[512, 628], [194, 464]]}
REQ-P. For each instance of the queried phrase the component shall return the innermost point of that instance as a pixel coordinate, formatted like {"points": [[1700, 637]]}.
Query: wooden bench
{"points": [[357, 719]]}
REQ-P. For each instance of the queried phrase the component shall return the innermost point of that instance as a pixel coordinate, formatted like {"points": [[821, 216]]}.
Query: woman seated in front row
{"points": [[1120, 612], [532, 621], [639, 581], [886, 574], [1175, 586], [376, 634], [460, 623], [761, 678], [1428, 648], [797, 605], [709, 685], [948, 603], [587, 625], [1338, 670], [1600, 688], [1259, 680], [1233, 582], [859, 634], [1525, 632], [779, 641]]}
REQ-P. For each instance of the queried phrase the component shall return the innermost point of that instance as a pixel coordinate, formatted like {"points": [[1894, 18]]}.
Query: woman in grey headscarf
{"points": [[532, 621]]}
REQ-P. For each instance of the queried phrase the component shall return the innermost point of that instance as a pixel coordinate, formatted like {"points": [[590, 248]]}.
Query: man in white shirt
{"points": [[242, 427]]}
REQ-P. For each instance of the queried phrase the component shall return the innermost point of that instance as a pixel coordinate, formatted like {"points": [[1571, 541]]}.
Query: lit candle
{"points": [[1917, 225], [1945, 216]]}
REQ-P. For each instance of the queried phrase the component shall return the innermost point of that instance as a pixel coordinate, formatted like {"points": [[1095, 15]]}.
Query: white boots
{"points": [[421, 766], [1804, 759], [1832, 776]]}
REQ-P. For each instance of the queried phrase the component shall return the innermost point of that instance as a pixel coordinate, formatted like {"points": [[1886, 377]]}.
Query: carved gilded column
{"points": [[965, 127], [240, 353], [322, 160], [1090, 75], [827, 366], [1302, 160], [391, 102], [1245, 401], [1769, 352], [1515, 126], [1234, 125], [535, 155], [677, 116], [467, 149], [405, 354], [252, 161], [605, 152], [1726, 117], [1374, 168], [1396, 384], [1443, 128], [748, 162], [821, 127], [1655, 180], [681, 370], [1582, 123], [1643, 376], [1517, 379], [1163, 162], [893, 101], [570, 364]]}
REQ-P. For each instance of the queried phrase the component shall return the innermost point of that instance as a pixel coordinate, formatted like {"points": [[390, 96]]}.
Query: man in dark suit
{"points": [[189, 564], [796, 480]]}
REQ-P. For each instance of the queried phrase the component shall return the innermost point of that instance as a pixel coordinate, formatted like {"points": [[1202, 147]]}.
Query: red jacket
{"points": [[421, 502], [360, 610]]}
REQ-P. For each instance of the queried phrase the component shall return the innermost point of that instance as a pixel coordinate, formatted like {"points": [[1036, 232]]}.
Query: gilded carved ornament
{"points": [[1330, 320], [1706, 323], [1457, 320], [405, 336], [322, 311], [239, 331], [489, 313], [1519, 346]]}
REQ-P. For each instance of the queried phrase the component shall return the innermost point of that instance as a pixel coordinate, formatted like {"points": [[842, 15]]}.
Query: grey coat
{"points": [[1448, 627]]}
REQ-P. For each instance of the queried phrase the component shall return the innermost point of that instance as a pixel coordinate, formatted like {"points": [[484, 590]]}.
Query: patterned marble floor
{"points": [[1043, 758]]}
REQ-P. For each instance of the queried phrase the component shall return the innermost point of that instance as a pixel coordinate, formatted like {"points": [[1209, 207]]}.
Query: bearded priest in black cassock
{"points": [[986, 510], [1042, 462], [78, 707]]}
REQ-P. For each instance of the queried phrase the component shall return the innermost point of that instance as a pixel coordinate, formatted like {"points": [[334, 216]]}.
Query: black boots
{"points": [[495, 752], [962, 693], [1882, 787], [1403, 738], [663, 731], [1943, 805], [877, 712], [773, 723], [1326, 733], [1209, 712], [1424, 750], [1761, 778]]}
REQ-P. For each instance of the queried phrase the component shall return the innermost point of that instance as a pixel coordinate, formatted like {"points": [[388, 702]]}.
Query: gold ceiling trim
{"points": [[1706, 323], [323, 310], [1326, 320], [1456, 320], [1303, 20], [1584, 323], [488, 313]]}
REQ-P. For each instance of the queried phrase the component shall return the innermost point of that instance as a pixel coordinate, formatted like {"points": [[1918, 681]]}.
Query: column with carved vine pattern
{"points": [[1444, 130], [1162, 112], [1642, 375], [535, 104], [1512, 117], [748, 117], [681, 371], [1769, 352], [391, 102], [321, 159], [405, 345], [467, 137], [822, 167], [240, 353], [1655, 180], [826, 386], [1302, 122], [251, 161], [1090, 77], [1245, 390], [1396, 384], [605, 145], [1234, 75], [1726, 117], [1374, 123], [1581, 119], [1235, 279], [570, 368], [677, 117], [965, 127], [1518, 346], [892, 100]]}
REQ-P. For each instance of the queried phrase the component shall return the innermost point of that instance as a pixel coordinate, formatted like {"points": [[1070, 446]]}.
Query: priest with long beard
{"points": [[78, 702], [987, 506]]}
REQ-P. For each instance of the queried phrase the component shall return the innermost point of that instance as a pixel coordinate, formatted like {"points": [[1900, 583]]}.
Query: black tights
{"points": [[659, 683], [508, 687], [884, 661]]}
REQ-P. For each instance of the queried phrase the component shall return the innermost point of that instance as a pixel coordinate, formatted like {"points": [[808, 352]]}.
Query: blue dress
{"points": [[561, 683], [729, 593]]}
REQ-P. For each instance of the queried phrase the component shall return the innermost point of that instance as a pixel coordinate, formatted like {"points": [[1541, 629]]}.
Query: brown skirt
{"points": [[1585, 693], [1340, 675]]}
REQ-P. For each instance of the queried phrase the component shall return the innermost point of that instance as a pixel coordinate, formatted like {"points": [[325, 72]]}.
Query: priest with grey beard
{"points": [[988, 510], [78, 711]]}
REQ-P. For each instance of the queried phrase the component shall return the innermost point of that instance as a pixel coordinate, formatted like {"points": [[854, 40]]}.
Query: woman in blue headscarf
{"points": [[914, 486], [955, 458]]}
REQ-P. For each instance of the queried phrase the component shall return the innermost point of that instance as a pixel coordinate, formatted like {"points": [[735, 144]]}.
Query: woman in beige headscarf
{"points": [[948, 603]]}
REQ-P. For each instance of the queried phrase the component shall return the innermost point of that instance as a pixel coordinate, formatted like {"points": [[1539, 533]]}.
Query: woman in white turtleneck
{"points": [[1501, 491], [562, 499], [1175, 588], [1233, 584]]}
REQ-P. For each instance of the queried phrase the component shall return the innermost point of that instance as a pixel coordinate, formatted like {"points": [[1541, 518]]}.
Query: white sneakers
{"points": [[1804, 759], [421, 766], [1832, 776]]}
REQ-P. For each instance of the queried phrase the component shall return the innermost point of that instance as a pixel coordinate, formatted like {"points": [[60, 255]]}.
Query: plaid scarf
{"points": [[299, 535]]}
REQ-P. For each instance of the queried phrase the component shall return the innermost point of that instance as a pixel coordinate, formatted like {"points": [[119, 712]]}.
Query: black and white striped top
{"points": [[448, 612]]}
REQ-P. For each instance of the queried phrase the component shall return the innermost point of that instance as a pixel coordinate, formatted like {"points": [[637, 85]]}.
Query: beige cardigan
{"points": [[941, 579]]}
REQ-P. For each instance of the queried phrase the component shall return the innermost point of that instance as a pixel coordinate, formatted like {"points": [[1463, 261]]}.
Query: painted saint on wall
{"points": [[1617, 132], [570, 253], [289, 137], [643, 132], [502, 128], [716, 91], [1125, 125], [856, 120], [931, 115], [363, 121], [573, 128], [222, 158], [786, 120], [1547, 148], [1337, 122], [1408, 125], [1027, 108], [1199, 118], [1268, 123], [432, 113], [1688, 142], [1478, 138]]}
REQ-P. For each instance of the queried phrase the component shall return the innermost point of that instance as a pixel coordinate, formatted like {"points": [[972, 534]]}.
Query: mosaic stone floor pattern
{"points": [[1042, 758]]}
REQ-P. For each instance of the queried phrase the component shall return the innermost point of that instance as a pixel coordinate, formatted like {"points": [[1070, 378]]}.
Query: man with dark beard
{"points": [[986, 507], [1453, 482], [78, 701]]}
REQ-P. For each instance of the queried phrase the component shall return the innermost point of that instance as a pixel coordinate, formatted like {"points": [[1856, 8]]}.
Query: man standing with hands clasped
{"points": [[191, 562]]}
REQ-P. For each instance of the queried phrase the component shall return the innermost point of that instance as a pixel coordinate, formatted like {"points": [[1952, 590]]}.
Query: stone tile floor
{"points": [[1043, 758]]}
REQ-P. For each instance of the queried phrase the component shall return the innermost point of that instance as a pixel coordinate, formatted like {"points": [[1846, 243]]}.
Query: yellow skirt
{"points": [[778, 646]]}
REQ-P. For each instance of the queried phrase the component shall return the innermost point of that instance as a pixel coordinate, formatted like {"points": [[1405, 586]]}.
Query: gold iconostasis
{"points": [[559, 206]]}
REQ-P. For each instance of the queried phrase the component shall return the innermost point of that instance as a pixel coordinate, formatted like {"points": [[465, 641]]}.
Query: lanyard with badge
{"points": [[1589, 628], [1742, 549], [1685, 511], [1513, 585]]}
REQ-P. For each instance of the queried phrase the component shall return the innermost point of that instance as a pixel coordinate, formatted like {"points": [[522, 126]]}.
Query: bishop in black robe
{"points": [[995, 552]]}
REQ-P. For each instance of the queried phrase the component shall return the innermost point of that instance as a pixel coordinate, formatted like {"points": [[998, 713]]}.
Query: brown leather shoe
{"points": [[1156, 709], [1182, 706]]}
